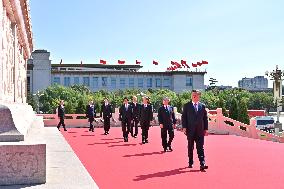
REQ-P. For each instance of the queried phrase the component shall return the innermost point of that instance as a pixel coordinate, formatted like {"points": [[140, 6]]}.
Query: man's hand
{"points": [[184, 130], [206, 133], [161, 126], [174, 126]]}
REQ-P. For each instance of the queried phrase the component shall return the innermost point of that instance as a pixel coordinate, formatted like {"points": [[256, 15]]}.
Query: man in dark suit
{"points": [[145, 117], [61, 115], [167, 121], [125, 116], [136, 112], [106, 114], [91, 114], [195, 126]]}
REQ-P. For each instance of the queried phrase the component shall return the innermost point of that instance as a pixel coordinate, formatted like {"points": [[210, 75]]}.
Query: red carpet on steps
{"points": [[234, 162]]}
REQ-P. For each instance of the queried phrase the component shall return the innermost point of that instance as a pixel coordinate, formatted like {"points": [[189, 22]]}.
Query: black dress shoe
{"points": [[165, 149], [58, 128], [125, 139], [105, 133], [135, 136], [203, 167], [143, 142], [170, 149], [92, 130], [190, 166], [65, 129]]}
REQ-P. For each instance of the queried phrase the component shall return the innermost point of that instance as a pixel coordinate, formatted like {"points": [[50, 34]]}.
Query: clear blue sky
{"points": [[240, 38]]}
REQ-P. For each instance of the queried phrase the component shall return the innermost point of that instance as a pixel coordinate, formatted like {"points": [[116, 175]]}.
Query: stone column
{"points": [[1, 51]]}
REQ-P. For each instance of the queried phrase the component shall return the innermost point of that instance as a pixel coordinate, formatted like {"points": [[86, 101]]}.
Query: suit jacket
{"points": [[166, 117], [61, 111], [194, 122], [136, 110], [106, 111], [125, 115], [146, 114], [91, 111]]}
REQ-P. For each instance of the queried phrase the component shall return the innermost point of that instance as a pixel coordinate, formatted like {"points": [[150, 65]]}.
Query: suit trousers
{"points": [[164, 134], [135, 125], [199, 140], [61, 122], [126, 128], [145, 128], [106, 124], [91, 120]]}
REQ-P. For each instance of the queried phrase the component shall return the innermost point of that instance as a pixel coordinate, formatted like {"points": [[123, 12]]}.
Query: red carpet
{"points": [[234, 162]]}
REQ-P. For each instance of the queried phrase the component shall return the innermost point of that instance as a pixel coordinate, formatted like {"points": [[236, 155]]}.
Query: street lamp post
{"points": [[277, 76]]}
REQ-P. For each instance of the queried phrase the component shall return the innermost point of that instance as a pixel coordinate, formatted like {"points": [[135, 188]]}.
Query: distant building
{"points": [[258, 83], [41, 74]]}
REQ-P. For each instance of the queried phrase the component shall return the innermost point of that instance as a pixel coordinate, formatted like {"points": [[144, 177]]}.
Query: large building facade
{"points": [[16, 47], [41, 74], [257, 83]]}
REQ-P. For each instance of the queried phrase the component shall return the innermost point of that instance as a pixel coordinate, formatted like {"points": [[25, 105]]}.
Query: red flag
{"points": [[102, 62], [204, 62], [121, 61], [175, 64], [155, 62], [184, 64], [194, 65], [199, 63], [137, 62]]}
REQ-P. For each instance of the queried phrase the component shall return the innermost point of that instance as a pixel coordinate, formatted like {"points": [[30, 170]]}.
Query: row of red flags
{"points": [[183, 64], [175, 65]]}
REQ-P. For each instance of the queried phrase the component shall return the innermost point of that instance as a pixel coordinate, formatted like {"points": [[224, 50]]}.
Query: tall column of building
{"points": [[41, 70]]}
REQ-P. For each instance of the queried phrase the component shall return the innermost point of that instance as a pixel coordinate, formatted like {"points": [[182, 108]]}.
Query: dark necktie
{"points": [[196, 107]]}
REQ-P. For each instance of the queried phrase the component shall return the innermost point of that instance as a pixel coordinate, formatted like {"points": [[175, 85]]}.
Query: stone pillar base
{"points": [[22, 146]]}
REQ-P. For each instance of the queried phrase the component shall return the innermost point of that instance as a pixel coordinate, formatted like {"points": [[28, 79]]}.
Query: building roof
{"points": [[128, 72], [96, 66]]}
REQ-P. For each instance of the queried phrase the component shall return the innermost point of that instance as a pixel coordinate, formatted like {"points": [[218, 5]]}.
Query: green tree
{"points": [[243, 112], [234, 109], [221, 104]]}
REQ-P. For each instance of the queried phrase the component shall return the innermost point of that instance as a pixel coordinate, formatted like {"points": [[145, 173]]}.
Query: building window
{"points": [[167, 82], [122, 82], [86, 81], [131, 82], [158, 82], [149, 82], [113, 82], [67, 81], [56, 80], [95, 82], [104, 81], [188, 81], [140, 82], [76, 81]]}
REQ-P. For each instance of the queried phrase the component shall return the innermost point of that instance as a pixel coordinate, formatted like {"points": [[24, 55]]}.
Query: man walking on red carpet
{"points": [[146, 116], [167, 121], [195, 126], [125, 116], [106, 114], [91, 114]]}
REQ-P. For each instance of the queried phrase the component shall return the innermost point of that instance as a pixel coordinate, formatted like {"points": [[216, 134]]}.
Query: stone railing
{"points": [[80, 120], [218, 124]]}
